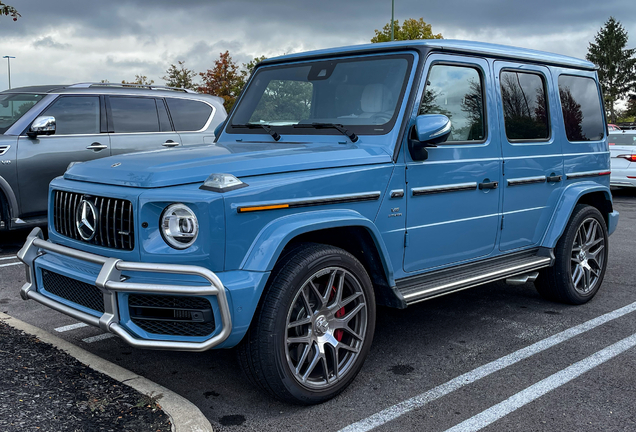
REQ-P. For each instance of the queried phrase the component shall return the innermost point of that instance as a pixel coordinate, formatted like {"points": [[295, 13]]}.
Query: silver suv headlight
{"points": [[179, 226]]}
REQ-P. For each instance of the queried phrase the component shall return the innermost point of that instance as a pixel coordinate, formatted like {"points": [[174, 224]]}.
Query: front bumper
{"points": [[109, 282]]}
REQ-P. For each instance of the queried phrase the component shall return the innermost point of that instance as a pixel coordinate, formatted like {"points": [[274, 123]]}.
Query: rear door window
{"points": [[188, 115], [525, 106], [133, 114], [75, 115], [581, 106]]}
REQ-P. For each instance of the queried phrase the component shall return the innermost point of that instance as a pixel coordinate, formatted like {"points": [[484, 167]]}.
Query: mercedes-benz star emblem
{"points": [[86, 219]]}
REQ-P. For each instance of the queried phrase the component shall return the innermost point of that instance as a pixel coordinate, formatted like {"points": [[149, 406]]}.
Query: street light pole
{"points": [[9, 68], [392, 15]]}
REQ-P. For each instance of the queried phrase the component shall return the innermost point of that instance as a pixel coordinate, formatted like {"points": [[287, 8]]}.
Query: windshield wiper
{"points": [[264, 126], [340, 128]]}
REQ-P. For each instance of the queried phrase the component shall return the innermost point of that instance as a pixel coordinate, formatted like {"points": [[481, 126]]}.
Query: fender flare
{"points": [[6, 189], [570, 197], [268, 245]]}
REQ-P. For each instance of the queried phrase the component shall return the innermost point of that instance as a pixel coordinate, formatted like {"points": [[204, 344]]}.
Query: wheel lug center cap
{"points": [[582, 255], [321, 325]]}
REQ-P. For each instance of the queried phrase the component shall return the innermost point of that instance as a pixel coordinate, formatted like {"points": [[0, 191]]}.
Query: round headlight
{"points": [[179, 226]]}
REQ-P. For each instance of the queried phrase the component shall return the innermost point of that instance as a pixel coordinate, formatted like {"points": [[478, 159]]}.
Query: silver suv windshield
{"points": [[363, 94], [15, 105]]}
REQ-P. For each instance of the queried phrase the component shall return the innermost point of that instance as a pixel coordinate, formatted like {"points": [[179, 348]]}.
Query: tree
{"points": [[248, 68], [616, 64], [411, 29], [9, 10], [180, 76], [223, 80], [140, 80]]}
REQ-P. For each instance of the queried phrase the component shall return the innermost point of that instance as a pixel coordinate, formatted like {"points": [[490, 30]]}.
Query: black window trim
{"points": [[600, 98], [208, 121], [482, 75], [545, 81]]}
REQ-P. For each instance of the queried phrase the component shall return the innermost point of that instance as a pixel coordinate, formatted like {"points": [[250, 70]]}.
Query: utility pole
{"points": [[392, 16], [9, 68]]}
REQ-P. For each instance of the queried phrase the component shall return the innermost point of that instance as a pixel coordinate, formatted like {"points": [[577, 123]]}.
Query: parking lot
{"points": [[493, 358]]}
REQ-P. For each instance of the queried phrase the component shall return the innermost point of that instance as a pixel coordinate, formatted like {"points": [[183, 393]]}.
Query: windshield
{"points": [[363, 94], [622, 138], [15, 105]]}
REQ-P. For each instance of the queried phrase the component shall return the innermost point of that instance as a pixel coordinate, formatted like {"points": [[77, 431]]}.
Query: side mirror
{"points": [[43, 125], [218, 129], [428, 131]]}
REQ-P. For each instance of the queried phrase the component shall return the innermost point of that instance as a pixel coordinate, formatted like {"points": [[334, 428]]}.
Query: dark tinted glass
{"points": [[134, 114], [188, 115], [524, 105], [75, 115], [164, 120], [622, 139], [581, 107], [456, 92]]}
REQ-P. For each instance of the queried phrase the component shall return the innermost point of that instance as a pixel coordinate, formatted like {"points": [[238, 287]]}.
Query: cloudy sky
{"points": [[66, 41]]}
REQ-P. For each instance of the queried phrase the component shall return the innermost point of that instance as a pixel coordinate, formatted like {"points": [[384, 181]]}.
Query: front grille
{"points": [[172, 315], [115, 224], [72, 290]]}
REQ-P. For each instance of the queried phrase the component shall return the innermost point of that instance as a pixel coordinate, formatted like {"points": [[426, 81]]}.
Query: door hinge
{"points": [[406, 239], [503, 167], [502, 219]]}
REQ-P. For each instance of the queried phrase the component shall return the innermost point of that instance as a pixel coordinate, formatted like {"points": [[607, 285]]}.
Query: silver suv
{"points": [[45, 128]]}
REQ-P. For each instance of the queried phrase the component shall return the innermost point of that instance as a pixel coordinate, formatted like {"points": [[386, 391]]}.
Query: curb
{"points": [[184, 415]]}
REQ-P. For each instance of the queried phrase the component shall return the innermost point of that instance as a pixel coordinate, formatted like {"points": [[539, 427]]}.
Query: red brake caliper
{"points": [[337, 333]]}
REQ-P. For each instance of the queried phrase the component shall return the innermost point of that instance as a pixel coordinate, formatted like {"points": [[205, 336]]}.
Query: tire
{"points": [[318, 296], [580, 259]]}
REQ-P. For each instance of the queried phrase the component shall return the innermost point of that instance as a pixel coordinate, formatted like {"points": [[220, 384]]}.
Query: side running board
{"points": [[440, 282]]}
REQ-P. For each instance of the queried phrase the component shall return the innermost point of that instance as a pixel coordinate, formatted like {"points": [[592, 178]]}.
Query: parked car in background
{"points": [[384, 173], [45, 128], [613, 127], [623, 150]]}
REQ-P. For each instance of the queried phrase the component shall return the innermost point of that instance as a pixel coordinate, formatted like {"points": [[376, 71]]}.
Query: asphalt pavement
{"points": [[493, 358]]}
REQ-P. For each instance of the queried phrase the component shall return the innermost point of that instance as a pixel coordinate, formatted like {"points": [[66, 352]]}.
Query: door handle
{"points": [[97, 146], [553, 178], [170, 143], [489, 185]]}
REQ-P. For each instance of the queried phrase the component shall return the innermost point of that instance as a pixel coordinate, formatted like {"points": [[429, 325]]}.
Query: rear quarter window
{"points": [[581, 106], [188, 115]]}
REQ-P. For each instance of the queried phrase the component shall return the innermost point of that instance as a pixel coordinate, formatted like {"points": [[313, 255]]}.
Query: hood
{"points": [[171, 167]]}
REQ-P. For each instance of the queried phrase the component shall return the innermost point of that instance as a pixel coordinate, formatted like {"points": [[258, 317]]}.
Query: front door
{"points": [[77, 138], [139, 124], [533, 161], [453, 196]]}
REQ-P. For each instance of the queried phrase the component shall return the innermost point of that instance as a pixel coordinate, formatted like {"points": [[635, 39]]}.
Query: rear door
{"points": [[139, 124], [77, 138], [533, 157]]}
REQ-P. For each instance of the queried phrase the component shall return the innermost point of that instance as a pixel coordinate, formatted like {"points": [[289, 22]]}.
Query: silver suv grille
{"points": [[114, 225]]}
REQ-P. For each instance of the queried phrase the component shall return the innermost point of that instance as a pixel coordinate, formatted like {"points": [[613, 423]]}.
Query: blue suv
{"points": [[383, 174]]}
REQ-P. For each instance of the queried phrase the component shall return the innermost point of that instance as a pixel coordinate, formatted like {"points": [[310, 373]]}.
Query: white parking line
{"points": [[539, 389], [11, 264], [98, 337], [419, 401], [70, 327], [8, 258]]}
